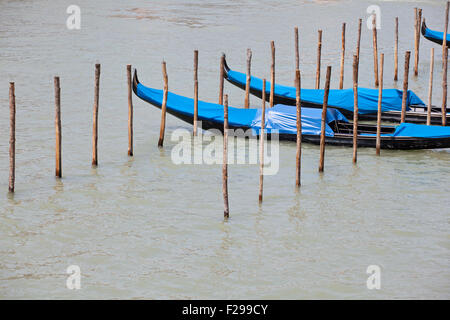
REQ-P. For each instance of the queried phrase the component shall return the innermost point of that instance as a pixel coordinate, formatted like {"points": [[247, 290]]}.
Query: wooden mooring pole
{"points": [[261, 141], [430, 87], [444, 40], [58, 151], [221, 78], [418, 20], [341, 76], [444, 88], [415, 33], [375, 49], [247, 84], [272, 75], [355, 109], [195, 92], [95, 117], [358, 41], [323, 122], [380, 98], [297, 55], [298, 157], [164, 105], [12, 137], [396, 51], [405, 86], [319, 54], [226, 212], [130, 111]]}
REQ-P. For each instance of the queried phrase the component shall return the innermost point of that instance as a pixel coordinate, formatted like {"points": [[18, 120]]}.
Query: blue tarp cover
{"points": [[284, 119], [421, 131], [206, 111], [367, 98], [416, 131], [438, 35]]}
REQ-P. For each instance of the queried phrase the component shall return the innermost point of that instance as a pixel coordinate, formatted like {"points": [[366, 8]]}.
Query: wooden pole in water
{"points": [[419, 24], [358, 42], [417, 41], [261, 141], [226, 212], [375, 49], [195, 92], [415, 31], [396, 51], [58, 164], [355, 108], [444, 88], [405, 86], [297, 55], [298, 158], [95, 118], [341, 77], [380, 98], [430, 87], [221, 78], [130, 111], [444, 40], [164, 105], [247, 84], [319, 53], [12, 137], [323, 122], [272, 74]]}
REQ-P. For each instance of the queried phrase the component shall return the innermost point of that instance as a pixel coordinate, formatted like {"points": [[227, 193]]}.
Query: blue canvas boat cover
{"points": [[206, 111], [438, 35], [416, 131], [421, 131], [367, 98], [284, 119]]}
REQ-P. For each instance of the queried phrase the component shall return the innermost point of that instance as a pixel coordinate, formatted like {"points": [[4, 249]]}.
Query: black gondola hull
{"points": [[438, 41], [403, 143]]}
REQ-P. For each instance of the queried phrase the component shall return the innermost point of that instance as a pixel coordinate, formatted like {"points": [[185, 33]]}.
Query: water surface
{"points": [[144, 227]]}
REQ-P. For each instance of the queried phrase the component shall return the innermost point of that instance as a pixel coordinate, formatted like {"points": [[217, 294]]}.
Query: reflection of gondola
{"points": [[283, 119], [435, 36], [343, 100]]}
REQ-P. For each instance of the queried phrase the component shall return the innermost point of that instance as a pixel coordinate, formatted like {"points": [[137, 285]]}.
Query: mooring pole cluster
{"points": [[223, 100]]}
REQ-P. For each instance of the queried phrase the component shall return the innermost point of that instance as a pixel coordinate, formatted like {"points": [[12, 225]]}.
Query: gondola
{"points": [[281, 119], [343, 100], [435, 36]]}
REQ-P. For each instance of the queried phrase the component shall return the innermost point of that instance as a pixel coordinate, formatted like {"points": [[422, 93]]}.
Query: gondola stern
{"points": [[225, 65], [424, 27], [135, 81]]}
